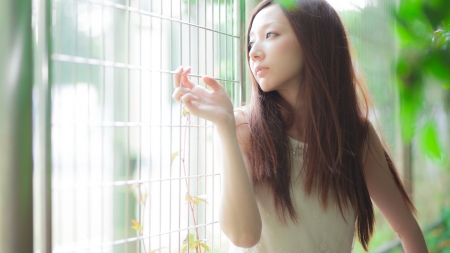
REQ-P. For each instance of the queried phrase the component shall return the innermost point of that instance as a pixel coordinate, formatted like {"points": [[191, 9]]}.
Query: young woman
{"points": [[302, 163]]}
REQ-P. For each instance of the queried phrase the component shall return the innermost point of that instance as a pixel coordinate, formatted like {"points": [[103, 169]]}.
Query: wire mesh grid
{"points": [[131, 172]]}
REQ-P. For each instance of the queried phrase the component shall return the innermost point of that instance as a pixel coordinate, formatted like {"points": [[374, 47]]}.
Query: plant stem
{"points": [[185, 175], [143, 203], [191, 205]]}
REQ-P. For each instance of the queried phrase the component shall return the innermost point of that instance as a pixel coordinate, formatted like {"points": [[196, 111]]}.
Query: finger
{"points": [[177, 73], [184, 74], [212, 83], [180, 91], [185, 79], [189, 100]]}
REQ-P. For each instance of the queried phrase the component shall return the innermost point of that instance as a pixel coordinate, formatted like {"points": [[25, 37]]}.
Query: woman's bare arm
{"points": [[239, 214], [239, 217], [388, 198]]}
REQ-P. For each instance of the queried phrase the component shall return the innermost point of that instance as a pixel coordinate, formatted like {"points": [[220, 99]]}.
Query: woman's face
{"points": [[275, 56]]}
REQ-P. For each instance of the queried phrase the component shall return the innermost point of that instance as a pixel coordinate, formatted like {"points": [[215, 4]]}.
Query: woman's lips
{"points": [[261, 72]]}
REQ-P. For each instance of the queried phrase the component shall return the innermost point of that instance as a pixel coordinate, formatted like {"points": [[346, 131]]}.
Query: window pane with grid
{"points": [[131, 173]]}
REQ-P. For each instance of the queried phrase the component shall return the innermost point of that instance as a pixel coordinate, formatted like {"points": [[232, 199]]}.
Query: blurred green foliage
{"points": [[423, 78], [423, 70], [438, 238], [287, 4], [415, 57]]}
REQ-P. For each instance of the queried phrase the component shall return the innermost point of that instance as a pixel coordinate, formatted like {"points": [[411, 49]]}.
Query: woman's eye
{"points": [[270, 34]]}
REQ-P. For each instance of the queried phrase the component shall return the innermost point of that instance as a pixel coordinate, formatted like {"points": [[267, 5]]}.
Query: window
{"points": [[131, 172]]}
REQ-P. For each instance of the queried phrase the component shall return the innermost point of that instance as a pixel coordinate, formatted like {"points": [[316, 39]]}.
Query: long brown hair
{"points": [[335, 121]]}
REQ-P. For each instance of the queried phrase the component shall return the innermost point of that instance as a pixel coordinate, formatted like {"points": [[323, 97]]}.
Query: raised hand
{"points": [[213, 105]]}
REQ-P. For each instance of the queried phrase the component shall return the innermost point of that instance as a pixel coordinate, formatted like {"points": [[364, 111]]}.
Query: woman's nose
{"points": [[256, 53]]}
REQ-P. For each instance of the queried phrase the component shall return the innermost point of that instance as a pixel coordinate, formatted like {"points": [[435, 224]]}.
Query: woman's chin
{"points": [[265, 88]]}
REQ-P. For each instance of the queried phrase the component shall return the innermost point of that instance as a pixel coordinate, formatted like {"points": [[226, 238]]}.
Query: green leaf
{"points": [[196, 199], [136, 225], [202, 198], [188, 197], [190, 238], [436, 65], [173, 156], [430, 141], [287, 4], [206, 247], [409, 10], [441, 39], [436, 12]]}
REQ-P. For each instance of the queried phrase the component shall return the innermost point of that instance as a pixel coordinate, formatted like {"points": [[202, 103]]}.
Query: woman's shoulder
{"points": [[242, 114]]}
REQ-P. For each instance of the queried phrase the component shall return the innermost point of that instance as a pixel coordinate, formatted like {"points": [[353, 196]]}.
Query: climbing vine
{"points": [[192, 242]]}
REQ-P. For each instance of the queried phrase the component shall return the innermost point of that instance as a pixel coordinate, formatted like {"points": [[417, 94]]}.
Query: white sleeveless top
{"points": [[316, 230]]}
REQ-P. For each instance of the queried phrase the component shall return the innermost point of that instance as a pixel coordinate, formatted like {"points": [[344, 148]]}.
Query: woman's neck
{"points": [[297, 103], [296, 131]]}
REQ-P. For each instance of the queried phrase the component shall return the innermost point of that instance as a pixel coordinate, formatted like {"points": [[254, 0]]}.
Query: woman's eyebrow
{"points": [[266, 25]]}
